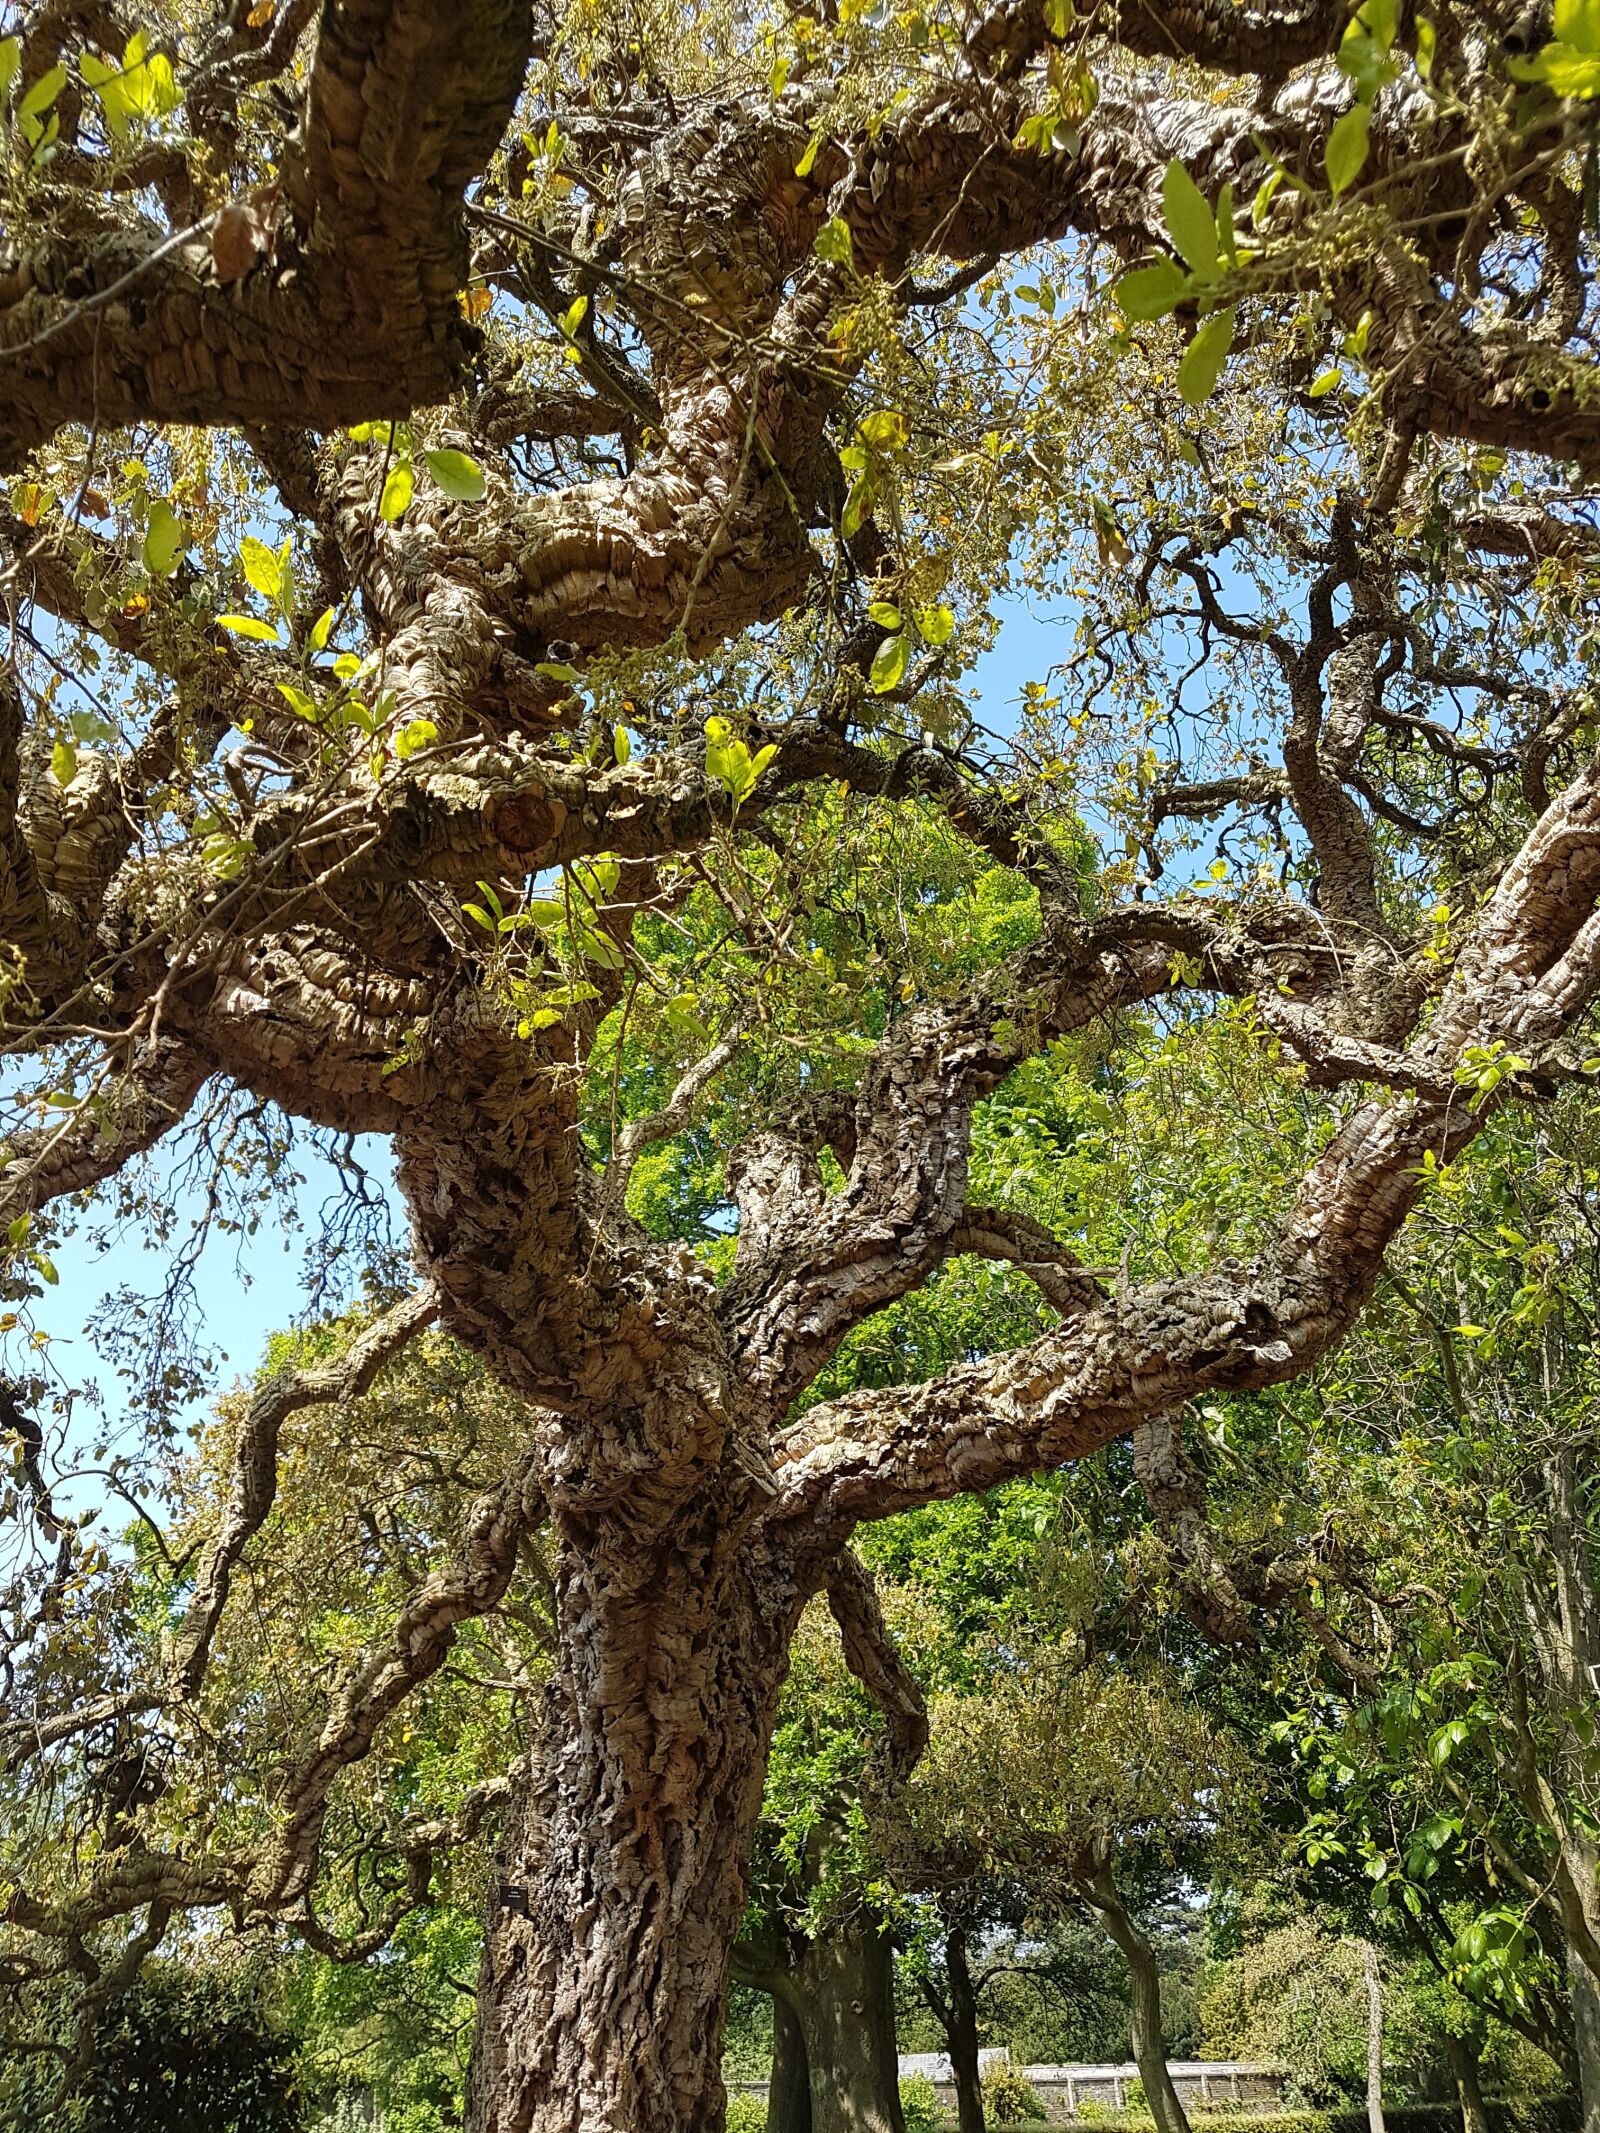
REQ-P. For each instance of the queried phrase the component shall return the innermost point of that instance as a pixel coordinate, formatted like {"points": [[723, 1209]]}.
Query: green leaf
{"points": [[1347, 148], [457, 475], [10, 61], [935, 625], [63, 763], [1427, 46], [1191, 224], [885, 430], [558, 670], [110, 86], [1577, 23], [480, 917], [802, 169], [889, 664], [1151, 292], [397, 492], [572, 318], [886, 615], [621, 746], [262, 568], [321, 630], [834, 242], [38, 99], [1204, 357], [1327, 383], [1569, 73], [299, 703], [164, 539], [250, 626], [414, 736], [1380, 19]]}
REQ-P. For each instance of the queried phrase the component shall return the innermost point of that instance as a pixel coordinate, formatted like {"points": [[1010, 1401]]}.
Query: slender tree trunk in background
{"points": [[1585, 1995], [842, 1990], [1463, 2056], [962, 2032], [789, 2095], [1144, 1976], [603, 1989], [1374, 1985]]}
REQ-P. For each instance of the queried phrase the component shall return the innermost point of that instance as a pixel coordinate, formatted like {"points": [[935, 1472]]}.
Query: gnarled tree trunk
{"points": [[602, 1996]]}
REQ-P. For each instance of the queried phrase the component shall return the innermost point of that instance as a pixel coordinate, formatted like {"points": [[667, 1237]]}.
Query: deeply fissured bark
{"points": [[601, 2009]]}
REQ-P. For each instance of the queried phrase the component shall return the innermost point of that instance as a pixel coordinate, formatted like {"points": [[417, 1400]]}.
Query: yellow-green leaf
{"points": [[1204, 357], [1151, 292], [1191, 224], [457, 475], [299, 703], [886, 615], [415, 735], [397, 492], [10, 61], [164, 539], [63, 763], [250, 626], [1328, 381], [262, 568], [833, 242], [1347, 148], [889, 664], [1577, 23], [935, 625]]}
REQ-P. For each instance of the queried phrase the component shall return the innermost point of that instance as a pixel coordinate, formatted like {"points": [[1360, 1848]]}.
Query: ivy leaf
{"points": [[457, 475], [889, 664], [1347, 148], [164, 540], [1151, 292], [1190, 222], [1204, 357], [397, 492]]}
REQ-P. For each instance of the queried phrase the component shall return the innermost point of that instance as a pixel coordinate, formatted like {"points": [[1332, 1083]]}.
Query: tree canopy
{"points": [[506, 506]]}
